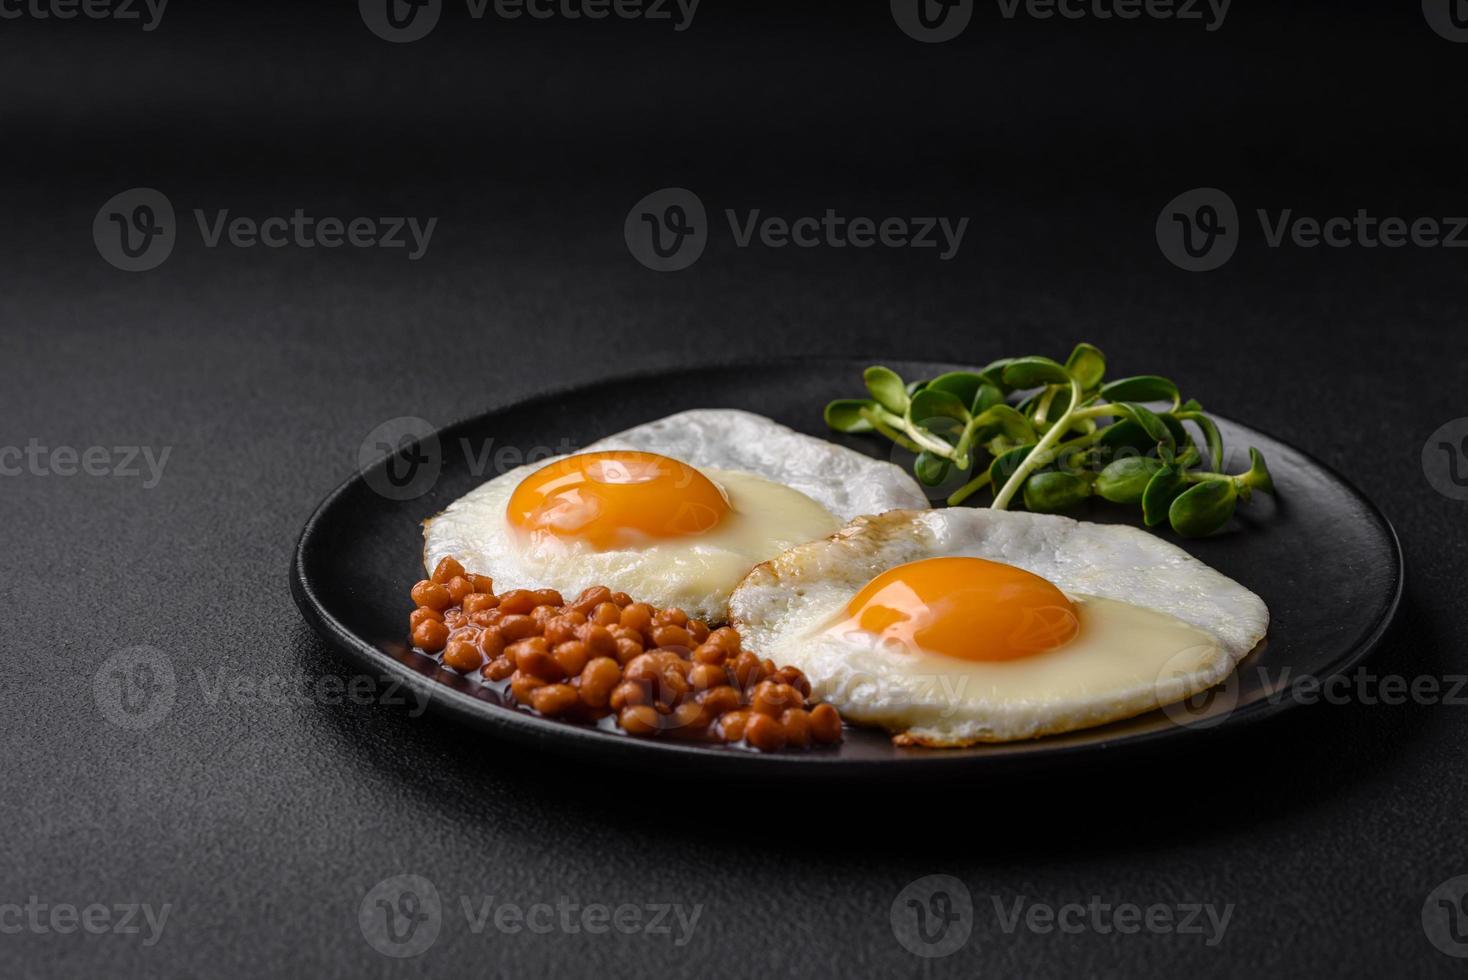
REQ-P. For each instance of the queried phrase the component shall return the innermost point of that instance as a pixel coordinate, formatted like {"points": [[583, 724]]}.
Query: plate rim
{"points": [[526, 727]]}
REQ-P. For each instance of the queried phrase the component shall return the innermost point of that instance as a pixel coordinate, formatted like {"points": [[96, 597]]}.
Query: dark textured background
{"points": [[264, 825]]}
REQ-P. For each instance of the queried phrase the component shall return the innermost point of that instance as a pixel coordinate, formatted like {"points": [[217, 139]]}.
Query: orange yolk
{"points": [[964, 607], [612, 499]]}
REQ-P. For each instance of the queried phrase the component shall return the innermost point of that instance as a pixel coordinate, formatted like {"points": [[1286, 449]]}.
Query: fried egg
{"points": [[674, 512], [960, 626]]}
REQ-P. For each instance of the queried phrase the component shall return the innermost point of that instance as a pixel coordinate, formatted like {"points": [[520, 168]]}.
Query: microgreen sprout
{"points": [[1053, 435]]}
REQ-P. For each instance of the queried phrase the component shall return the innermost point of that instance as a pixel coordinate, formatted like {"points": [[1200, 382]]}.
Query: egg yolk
{"points": [[612, 499], [968, 608]]}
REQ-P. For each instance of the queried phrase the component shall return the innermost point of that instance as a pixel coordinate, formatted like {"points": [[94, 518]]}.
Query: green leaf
{"points": [[1204, 508], [1050, 493], [1258, 477], [993, 373], [1087, 365], [1161, 490], [913, 387], [1006, 463], [1191, 405], [930, 470], [1007, 421], [886, 387], [1124, 481], [1031, 372], [935, 403], [987, 397], [1156, 429], [964, 385], [1211, 436], [1126, 434], [844, 414], [1142, 388]]}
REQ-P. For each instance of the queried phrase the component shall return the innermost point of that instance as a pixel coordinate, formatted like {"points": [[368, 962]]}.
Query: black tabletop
{"points": [[196, 785]]}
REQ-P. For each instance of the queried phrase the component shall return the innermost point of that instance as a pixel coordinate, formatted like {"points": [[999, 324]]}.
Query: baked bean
{"points": [[517, 627], [771, 698], [597, 639], [672, 616], [637, 616], [710, 653], [572, 655], [489, 617], [518, 602], [459, 587], [432, 595], [720, 700], [445, 570], [688, 720], [422, 613], [548, 597], [628, 693], [745, 670], [726, 637], [430, 635], [764, 733], [522, 685], [498, 669], [705, 677], [479, 602], [491, 642], [590, 598], [462, 655], [533, 657], [672, 636], [599, 679], [732, 725], [553, 699], [796, 722], [627, 649], [639, 720], [656, 670], [825, 724]]}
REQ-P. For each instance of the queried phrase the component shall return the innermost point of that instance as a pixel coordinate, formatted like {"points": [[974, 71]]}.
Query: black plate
{"points": [[1322, 556]]}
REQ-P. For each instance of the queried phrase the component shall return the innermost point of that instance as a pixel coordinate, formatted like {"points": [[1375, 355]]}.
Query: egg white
{"points": [[784, 488], [1157, 626]]}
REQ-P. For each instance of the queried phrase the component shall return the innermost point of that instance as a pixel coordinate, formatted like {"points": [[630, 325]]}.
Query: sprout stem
{"points": [[1040, 452]]}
